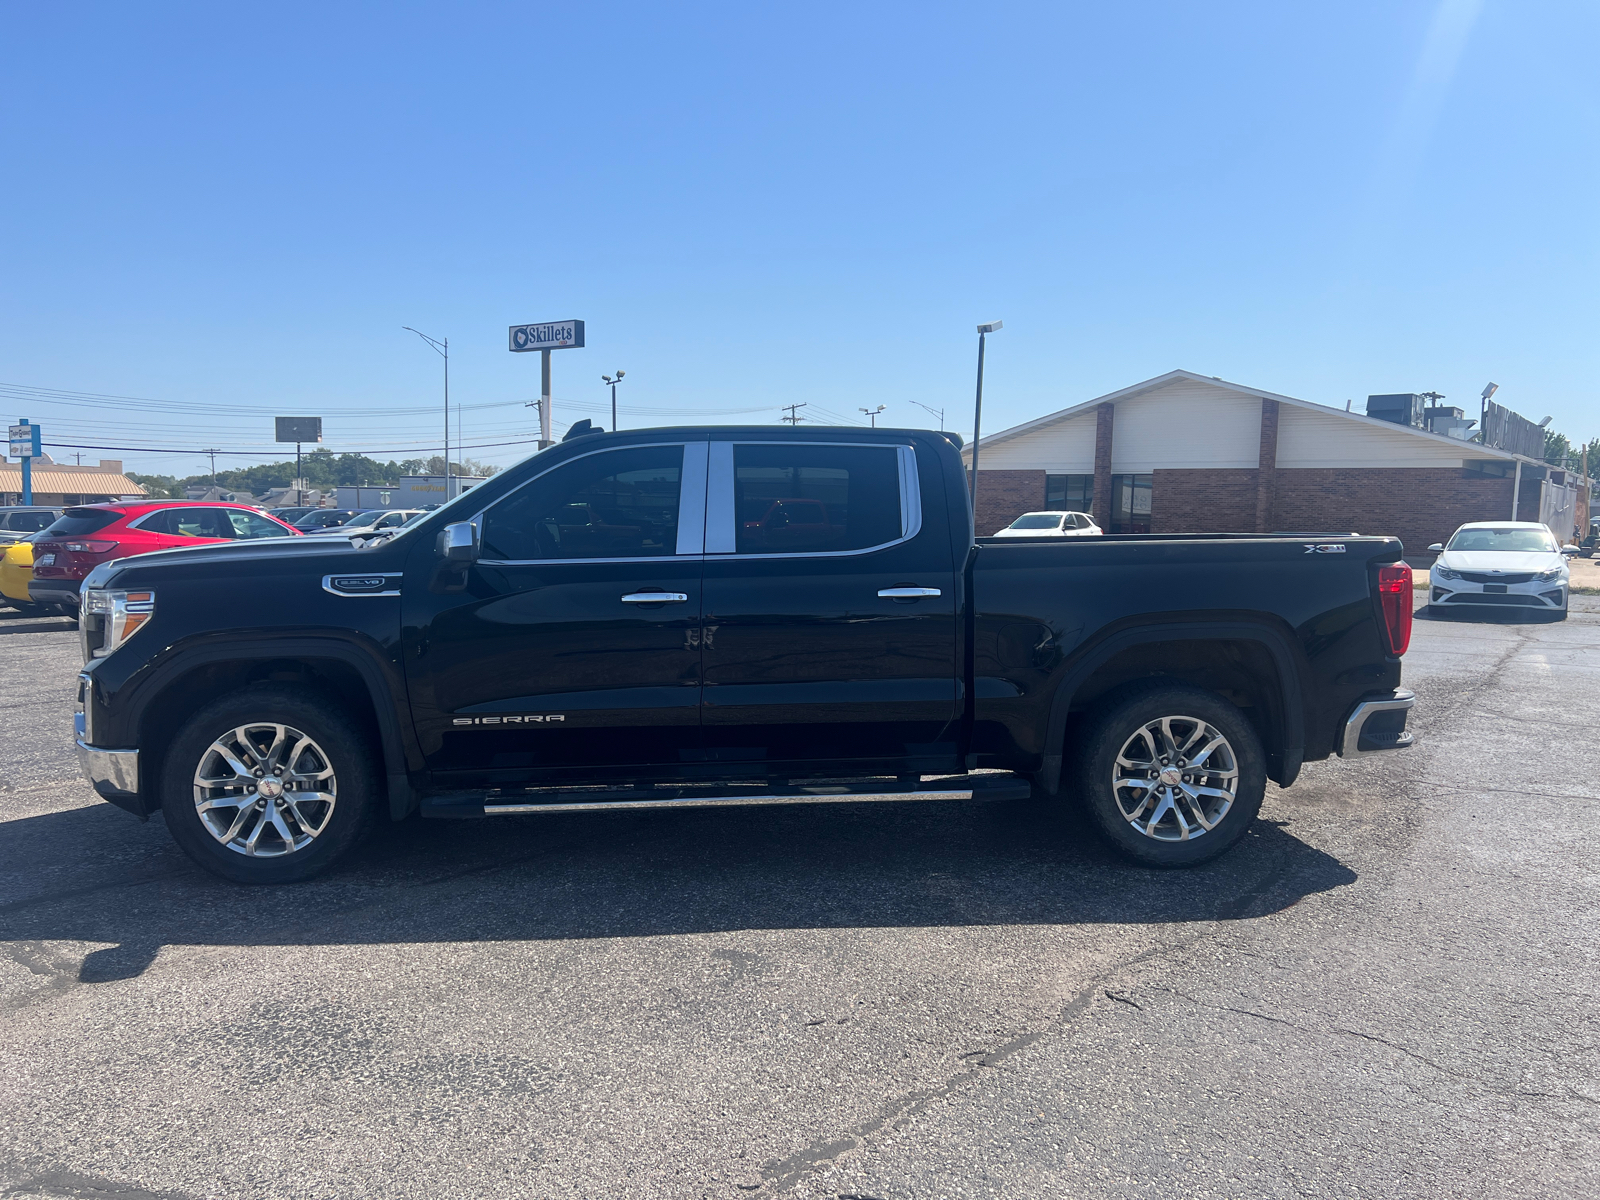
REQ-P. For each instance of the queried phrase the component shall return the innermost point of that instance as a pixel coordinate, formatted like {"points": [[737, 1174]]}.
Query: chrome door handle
{"points": [[907, 593], [655, 597]]}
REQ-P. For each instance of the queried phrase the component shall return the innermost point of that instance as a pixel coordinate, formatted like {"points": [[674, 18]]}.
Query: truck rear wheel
{"points": [[1172, 775], [268, 786]]}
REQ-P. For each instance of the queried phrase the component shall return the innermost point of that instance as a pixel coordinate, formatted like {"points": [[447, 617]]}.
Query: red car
{"points": [[89, 535]]}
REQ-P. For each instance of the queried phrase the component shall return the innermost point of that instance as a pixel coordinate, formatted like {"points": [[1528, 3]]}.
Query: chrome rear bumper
{"points": [[1388, 733]]}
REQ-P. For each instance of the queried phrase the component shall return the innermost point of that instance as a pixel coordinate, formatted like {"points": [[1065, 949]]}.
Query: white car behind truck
{"points": [[1051, 525], [1501, 564]]}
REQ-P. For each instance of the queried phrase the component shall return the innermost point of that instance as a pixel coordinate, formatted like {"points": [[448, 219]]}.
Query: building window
{"points": [[1072, 493], [1130, 503]]}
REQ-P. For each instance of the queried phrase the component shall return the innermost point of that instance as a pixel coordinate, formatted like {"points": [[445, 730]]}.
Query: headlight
{"points": [[1444, 573], [1551, 575], [120, 616]]}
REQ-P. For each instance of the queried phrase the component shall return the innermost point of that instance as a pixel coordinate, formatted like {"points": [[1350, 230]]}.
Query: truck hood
{"points": [[244, 557], [1499, 560]]}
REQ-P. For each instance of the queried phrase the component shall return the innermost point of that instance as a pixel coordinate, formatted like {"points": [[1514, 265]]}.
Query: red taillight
{"points": [[90, 547], [1396, 598]]}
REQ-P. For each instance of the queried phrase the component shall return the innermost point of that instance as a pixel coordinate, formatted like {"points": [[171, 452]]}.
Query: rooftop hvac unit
{"points": [[1403, 408], [1448, 421]]}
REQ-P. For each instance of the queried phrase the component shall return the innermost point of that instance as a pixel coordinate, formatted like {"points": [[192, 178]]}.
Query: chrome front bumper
{"points": [[1388, 733], [113, 773]]}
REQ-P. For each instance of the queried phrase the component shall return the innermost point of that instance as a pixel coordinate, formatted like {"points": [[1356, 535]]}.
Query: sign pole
{"points": [[545, 416], [27, 474], [545, 337]]}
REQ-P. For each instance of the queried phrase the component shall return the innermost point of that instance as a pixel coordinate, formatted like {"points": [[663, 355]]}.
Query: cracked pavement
{"points": [[1387, 990]]}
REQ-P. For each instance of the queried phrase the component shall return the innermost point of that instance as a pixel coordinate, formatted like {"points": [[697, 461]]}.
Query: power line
{"points": [[269, 453]]}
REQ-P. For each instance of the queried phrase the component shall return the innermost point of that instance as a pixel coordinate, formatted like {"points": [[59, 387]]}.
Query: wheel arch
{"points": [[333, 667], [1250, 661]]}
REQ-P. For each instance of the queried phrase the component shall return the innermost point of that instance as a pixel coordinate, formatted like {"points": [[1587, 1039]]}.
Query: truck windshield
{"points": [[1037, 521], [1513, 541]]}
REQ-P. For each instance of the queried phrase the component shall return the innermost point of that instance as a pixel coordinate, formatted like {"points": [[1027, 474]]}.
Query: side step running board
{"points": [[480, 805]]}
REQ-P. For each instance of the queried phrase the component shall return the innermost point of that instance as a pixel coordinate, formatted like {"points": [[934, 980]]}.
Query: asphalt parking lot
{"points": [[1387, 991]]}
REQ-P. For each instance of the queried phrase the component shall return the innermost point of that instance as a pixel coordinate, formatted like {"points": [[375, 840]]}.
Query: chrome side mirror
{"points": [[1570, 550], [458, 543], [1436, 548]]}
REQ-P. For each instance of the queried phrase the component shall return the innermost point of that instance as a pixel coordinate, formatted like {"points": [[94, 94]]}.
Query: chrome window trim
{"points": [[721, 519], [327, 582], [684, 510], [692, 501], [720, 522], [910, 494]]}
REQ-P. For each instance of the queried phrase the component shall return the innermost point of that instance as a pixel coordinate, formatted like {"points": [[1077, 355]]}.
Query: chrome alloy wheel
{"points": [[1175, 778], [265, 790]]}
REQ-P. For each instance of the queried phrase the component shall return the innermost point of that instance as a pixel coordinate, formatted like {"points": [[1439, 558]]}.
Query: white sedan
{"points": [[366, 524], [1051, 524], [1501, 564]]}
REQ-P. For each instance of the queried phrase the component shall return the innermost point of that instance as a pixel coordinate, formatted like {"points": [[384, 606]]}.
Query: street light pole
{"points": [[872, 414], [441, 347], [977, 418], [613, 380], [938, 412]]}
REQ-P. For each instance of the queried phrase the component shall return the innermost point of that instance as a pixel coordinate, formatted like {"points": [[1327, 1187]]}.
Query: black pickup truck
{"points": [[692, 616]]}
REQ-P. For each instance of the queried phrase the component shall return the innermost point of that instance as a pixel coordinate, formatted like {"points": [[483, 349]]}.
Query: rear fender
{"points": [[1283, 761]]}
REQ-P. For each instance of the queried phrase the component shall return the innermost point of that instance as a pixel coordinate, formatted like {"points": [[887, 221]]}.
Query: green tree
{"points": [[159, 487], [1557, 450]]}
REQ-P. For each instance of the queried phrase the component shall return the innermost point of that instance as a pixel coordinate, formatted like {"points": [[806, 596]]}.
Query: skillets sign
{"points": [[553, 335], [25, 441]]}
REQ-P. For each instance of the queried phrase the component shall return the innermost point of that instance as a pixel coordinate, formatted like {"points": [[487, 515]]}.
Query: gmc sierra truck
{"points": [[728, 616]]}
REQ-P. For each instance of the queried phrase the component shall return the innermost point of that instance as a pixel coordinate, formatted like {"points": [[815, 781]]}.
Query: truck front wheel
{"points": [[1173, 775], [269, 785]]}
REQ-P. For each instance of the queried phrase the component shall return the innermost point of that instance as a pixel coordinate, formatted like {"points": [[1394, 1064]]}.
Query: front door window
{"points": [[623, 504]]}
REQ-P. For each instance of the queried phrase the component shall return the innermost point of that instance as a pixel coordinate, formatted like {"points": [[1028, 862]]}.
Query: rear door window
{"points": [[808, 498], [253, 525], [76, 522], [189, 522]]}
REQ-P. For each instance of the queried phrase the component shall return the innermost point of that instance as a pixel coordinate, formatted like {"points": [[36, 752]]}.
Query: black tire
{"points": [[1118, 722], [334, 739]]}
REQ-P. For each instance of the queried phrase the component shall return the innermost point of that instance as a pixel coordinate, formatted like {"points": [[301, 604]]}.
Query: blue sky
{"points": [[233, 209]]}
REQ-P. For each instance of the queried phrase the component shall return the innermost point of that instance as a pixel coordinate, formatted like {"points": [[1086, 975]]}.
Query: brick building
{"points": [[1187, 453]]}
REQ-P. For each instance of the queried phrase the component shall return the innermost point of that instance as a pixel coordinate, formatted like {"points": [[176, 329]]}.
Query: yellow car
{"points": [[16, 568]]}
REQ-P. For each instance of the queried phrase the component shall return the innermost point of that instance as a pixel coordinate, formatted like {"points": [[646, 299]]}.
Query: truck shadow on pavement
{"points": [[95, 875]]}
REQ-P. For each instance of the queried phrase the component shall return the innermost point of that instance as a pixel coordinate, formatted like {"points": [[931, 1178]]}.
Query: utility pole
{"points": [[977, 417], [613, 380], [872, 414], [794, 418], [441, 347], [936, 412], [78, 458], [213, 454]]}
